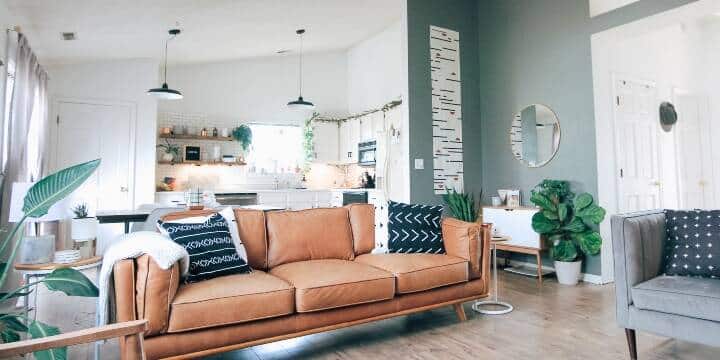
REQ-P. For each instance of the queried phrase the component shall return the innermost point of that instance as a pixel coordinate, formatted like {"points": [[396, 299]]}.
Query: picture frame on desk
{"points": [[513, 198]]}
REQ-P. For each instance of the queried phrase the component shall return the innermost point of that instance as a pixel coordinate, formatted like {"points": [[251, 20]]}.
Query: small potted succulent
{"points": [[170, 151], [569, 224], [83, 229]]}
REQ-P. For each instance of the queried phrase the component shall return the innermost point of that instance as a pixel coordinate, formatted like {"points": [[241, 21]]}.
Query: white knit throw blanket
{"points": [[164, 251]]}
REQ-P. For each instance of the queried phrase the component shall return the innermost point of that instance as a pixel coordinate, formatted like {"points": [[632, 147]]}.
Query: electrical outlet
{"points": [[419, 164]]}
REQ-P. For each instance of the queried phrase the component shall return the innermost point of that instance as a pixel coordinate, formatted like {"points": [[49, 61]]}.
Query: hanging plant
{"points": [[243, 135], [308, 142]]}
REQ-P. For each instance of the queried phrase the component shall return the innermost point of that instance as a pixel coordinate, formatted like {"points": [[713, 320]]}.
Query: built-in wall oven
{"points": [[367, 152]]}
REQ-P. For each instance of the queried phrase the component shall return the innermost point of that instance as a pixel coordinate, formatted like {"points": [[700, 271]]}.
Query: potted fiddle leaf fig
{"points": [[38, 200], [569, 224]]}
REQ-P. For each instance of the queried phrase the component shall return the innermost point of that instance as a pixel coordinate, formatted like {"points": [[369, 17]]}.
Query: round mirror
{"points": [[535, 135]]}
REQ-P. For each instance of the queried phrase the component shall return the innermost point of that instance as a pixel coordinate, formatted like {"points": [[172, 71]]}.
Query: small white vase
{"points": [[167, 157], [568, 273], [84, 228]]}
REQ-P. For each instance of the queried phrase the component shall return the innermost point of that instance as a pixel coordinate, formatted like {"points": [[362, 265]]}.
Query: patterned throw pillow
{"points": [[211, 248], [692, 246], [414, 228]]}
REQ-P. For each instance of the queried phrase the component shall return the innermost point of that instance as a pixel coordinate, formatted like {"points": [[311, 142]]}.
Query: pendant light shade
{"points": [[164, 92], [300, 103]]}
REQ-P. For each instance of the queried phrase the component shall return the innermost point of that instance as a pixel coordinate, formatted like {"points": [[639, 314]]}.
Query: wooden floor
{"points": [[552, 322]]}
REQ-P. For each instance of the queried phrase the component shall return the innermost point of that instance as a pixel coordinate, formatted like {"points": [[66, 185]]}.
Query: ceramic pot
{"points": [[83, 229], [568, 273], [168, 157]]}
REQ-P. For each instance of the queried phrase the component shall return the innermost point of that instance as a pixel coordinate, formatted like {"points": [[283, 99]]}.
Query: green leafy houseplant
{"points": [[569, 223], [243, 135], [462, 206], [80, 211], [40, 197], [308, 143], [170, 148]]}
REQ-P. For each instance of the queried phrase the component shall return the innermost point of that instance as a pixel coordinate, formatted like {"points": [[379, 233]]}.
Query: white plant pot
{"points": [[84, 229], [568, 273], [168, 157]]}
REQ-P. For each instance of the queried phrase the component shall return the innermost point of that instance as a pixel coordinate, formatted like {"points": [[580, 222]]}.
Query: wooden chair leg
{"points": [[460, 312], [133, 348], [632, 343]]}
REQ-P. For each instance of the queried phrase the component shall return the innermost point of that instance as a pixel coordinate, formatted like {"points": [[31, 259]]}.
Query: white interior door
{"points": [[694, 153], [90, 131], [636, 145]]}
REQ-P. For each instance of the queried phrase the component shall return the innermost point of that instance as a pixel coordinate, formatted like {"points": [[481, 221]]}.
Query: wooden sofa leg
{"points": [[460, 311], [133, 347], [632, 343]]}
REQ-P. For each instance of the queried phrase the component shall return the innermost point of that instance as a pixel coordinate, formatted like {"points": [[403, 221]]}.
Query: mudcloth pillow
{"points": [[692, 245], [211, 248], [414, 228]]}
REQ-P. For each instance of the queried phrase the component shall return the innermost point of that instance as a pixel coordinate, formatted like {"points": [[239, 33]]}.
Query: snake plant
{"points": [[462, 206], [40, 197]]}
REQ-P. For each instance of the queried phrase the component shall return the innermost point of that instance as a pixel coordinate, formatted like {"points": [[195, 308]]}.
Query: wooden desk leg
{"points": [[539, 266]]}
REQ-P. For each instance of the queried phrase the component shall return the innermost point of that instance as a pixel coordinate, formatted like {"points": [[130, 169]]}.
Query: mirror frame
{"points": [[510, 140]]}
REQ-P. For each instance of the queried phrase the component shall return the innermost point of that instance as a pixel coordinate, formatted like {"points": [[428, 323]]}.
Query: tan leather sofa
{"points": [[313, 272]]}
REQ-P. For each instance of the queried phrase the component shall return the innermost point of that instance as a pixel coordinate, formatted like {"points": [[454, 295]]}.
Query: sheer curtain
{"points": [[24, 128]]}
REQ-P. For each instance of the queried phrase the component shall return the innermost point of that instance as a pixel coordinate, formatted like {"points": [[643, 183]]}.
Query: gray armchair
{"points": [[679, 307]]}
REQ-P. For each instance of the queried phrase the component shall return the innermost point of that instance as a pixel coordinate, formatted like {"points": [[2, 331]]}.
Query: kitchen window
{"points": [[276, 148]]}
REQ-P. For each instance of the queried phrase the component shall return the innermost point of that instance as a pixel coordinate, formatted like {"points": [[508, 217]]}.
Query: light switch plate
{"points": [[419, 164]]}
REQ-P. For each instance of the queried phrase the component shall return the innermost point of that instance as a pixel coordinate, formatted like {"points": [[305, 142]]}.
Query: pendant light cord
{"points": [[300, 84], [166, 56]]}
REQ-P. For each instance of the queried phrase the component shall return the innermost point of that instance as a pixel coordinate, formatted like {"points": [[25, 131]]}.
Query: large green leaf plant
{"points": [[40, 197], [568, 222]]}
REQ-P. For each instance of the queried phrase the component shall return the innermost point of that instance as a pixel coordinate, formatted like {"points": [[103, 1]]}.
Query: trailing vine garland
{"points": [[319, 118]]}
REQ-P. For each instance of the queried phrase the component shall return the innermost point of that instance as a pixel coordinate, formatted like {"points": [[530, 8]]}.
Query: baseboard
{"points": [[588, 278]]}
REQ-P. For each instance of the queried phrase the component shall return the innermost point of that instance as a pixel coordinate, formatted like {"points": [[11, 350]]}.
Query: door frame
{"points": [[54, 134]]}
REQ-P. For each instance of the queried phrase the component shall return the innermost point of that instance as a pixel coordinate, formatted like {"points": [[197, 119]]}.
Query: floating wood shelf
{"points": [[198, 163], [195, 137]]}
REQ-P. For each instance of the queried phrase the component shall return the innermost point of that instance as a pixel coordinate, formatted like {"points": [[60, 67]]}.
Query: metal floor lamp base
{"points": [[481, 307]]}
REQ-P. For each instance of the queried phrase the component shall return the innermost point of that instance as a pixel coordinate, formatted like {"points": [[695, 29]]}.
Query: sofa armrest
{"points": [[145, 291], [638, 241], [469, 241]]}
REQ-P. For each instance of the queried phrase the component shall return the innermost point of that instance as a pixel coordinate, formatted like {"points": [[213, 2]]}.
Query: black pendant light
{"points": [[164, 92], [300, 103]]}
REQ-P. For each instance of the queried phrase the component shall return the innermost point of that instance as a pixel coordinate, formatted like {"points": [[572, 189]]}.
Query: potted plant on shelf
{"points": [[243, 135], [462, 206], [170, 151], [569, 225]]}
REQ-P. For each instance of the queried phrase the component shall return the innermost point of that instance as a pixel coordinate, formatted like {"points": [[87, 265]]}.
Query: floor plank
{"points": [[549, 322]]}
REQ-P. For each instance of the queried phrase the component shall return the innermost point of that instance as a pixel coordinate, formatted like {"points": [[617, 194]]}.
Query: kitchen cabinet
{"points": [[366, 128], [377, 199], [295, 199], [326, 142], [349, 139]]}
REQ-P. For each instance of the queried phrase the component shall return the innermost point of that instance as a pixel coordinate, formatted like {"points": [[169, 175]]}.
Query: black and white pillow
{"points": [[414, 228], [692, 246], [210, 246]]}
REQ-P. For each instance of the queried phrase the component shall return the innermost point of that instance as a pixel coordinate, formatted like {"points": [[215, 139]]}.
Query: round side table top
{"points": [[496, 239], [94, 261]]}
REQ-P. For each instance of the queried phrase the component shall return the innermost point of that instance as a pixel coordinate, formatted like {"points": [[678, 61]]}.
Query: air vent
{"points": [[68, 36]]}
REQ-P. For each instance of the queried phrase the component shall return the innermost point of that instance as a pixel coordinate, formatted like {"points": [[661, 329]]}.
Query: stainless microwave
{"points": [[367, 152]]}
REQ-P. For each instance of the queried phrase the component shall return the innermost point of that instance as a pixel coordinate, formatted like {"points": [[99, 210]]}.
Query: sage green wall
{"points": [[538, 51], [461, 16]]}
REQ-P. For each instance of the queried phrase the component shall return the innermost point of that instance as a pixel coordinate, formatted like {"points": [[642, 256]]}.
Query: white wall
{"points": [[121, 81], [375, 70], [598, 7], [257, 90]]}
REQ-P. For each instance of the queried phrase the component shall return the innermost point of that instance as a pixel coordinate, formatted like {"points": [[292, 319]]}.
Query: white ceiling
{"points": [[213, 30]]}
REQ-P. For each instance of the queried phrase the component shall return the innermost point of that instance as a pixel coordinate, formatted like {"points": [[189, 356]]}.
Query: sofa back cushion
{"points": [[251, 228], [312, 234], [362, 222], [692, 243]]}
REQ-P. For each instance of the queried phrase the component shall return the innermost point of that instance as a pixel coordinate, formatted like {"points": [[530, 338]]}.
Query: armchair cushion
{"points": [[693, 297]]}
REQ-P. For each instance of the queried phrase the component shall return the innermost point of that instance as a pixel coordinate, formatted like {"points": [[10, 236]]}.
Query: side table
{"points": [[488, 307]]}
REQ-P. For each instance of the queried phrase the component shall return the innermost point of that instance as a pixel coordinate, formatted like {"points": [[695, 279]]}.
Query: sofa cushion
{"points": [[362, 222], [230, 300], [210, 245], [312, 234], [414, 228], [251, 227], [418, 272], [694, 297], [692, 246], [327, 284]]}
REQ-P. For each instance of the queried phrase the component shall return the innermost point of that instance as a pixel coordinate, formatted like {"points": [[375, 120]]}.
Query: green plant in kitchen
{"points": [[243, 135], [171, 151], [569, 223], [40, 197], [308, 143], [462, 206], [80, 211]]}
